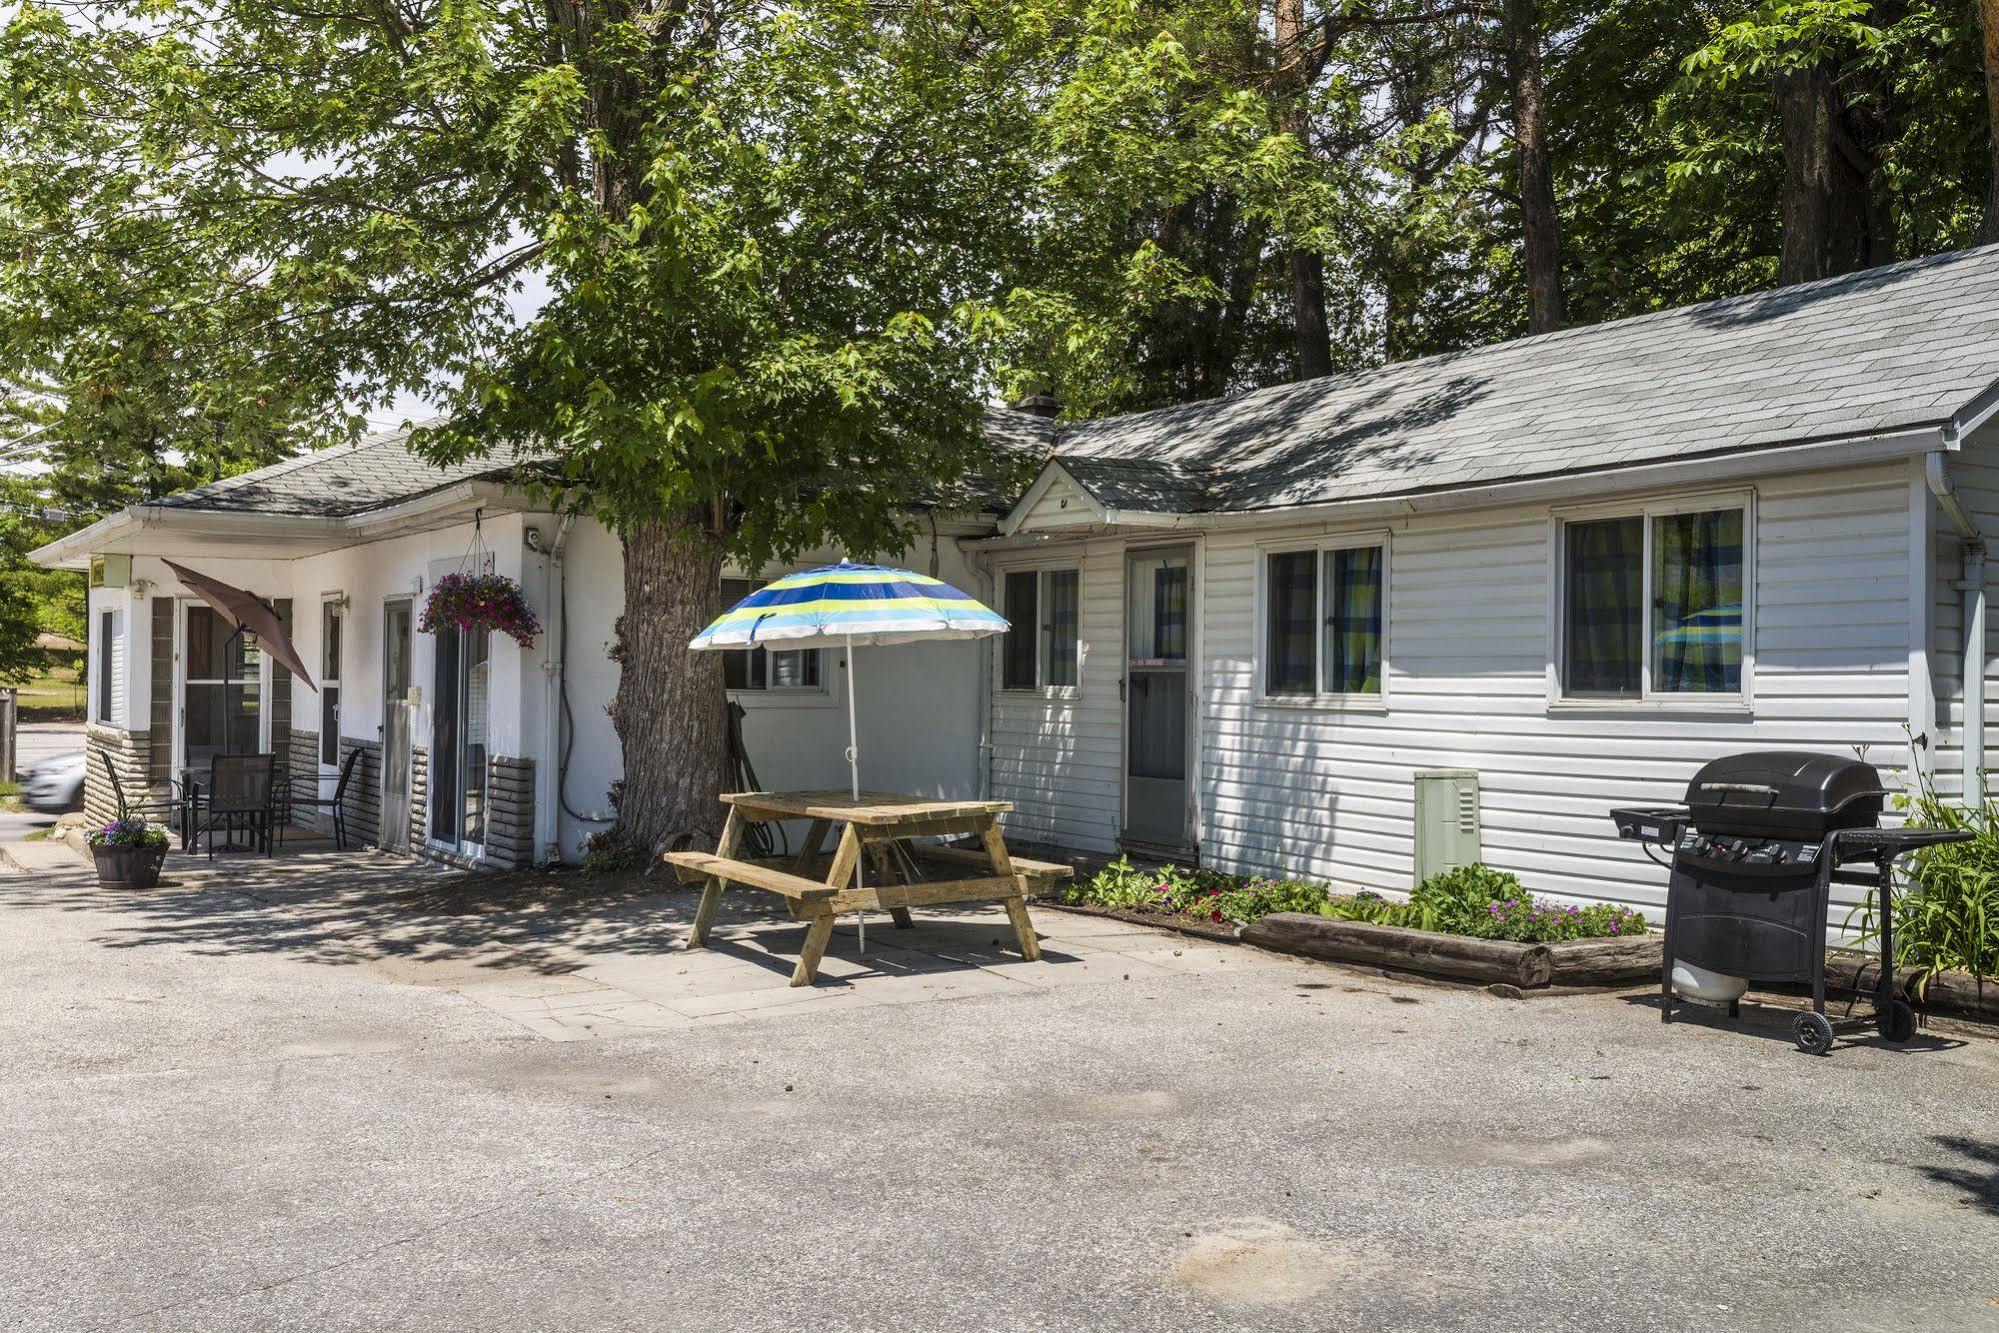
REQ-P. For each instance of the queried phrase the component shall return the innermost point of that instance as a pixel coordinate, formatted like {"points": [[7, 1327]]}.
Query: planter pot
{"points": [[128, 867]]}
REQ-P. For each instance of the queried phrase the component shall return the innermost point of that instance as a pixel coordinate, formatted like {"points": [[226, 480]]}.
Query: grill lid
{"points": [[1784, 793]]}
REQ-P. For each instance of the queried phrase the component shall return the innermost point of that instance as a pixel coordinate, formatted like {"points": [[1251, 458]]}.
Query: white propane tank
{"points": [[1705, 987]]}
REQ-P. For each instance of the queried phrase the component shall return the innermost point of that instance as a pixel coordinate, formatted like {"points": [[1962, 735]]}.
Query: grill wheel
{"points": [[1895, 1022], [1813, 1032]]}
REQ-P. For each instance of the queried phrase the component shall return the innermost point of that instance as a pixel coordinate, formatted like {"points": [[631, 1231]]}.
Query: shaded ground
{"points": [[324, 1093]]}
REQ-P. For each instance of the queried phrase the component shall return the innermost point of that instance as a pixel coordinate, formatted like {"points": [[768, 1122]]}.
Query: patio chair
{"points": [[337, 802], [240, 786], [173, 806]]}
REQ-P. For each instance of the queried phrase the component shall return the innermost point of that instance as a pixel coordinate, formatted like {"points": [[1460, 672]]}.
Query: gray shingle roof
{"points": [[336, 483], [1906, 345], [380, 470]]}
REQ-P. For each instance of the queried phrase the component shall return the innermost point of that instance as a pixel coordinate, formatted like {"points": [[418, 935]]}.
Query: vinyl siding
{"points": [[1328, 793], [1057, 755]]}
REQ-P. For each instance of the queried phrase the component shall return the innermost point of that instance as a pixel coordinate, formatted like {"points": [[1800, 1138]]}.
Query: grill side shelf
{"points": [[1656, 824]]}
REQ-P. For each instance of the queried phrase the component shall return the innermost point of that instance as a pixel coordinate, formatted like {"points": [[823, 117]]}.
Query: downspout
{"points": [[1971, 587], [976, 559], [548, 799]]}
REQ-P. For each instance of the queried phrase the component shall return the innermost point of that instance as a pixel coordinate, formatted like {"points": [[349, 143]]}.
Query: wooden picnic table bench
{"points": [[872, 863]]}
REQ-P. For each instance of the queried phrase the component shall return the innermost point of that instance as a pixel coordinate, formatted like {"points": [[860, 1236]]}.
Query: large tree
{"points": [[767, 233]]}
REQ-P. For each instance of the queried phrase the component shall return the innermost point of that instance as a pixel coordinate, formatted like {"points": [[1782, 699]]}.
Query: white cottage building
{"points": [[1357, 628]]}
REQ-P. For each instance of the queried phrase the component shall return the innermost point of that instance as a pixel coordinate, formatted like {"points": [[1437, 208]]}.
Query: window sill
{"points": [[1726, 707], [1043, 693], [1326, 703], [756, 699]]}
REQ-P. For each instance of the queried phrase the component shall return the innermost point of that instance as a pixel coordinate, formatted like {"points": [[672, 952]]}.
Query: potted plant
{"points": [[129, 853], [467, 600]]}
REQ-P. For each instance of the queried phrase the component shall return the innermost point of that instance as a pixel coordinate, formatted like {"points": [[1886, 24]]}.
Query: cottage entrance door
{"points": [[1159, 592], [398, 711]]}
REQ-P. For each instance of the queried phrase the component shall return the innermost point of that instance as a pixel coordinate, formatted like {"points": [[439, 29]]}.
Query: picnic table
{"points": [[872, 864]]}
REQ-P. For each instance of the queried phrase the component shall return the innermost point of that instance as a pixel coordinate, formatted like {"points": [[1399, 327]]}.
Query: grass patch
{"points": [[1470, 900], [56, 695]]}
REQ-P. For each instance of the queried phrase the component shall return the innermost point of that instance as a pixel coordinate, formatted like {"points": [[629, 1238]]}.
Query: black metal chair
{"points": [[337, 802], [174, 806], [240, 786]]}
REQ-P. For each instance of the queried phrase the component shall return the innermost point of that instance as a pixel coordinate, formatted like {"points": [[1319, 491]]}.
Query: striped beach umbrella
{"points": [[850, 604]]}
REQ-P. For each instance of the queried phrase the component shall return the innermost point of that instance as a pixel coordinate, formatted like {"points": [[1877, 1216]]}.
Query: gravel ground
{"points": [[213, 1125]]}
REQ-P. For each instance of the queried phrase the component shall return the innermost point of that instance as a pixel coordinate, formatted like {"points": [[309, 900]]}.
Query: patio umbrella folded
{"points": [[250, 614], [849, 604]]}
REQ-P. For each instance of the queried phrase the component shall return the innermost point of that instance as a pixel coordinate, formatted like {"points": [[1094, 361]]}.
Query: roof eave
{"points": [[125, 531]]}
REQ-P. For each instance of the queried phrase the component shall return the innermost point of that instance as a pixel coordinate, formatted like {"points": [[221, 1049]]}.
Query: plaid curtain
{"points": [[1169, 612], [1604, 624], [1697, 594], [1353, 621], [1064, 623], [1292, 590]]}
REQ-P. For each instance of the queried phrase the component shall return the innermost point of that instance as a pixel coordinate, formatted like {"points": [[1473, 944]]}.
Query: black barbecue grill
{"points": [[1756, 849]]}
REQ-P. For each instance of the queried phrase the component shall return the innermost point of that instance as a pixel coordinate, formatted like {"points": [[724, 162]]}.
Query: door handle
{"points": [[1120, 689]]}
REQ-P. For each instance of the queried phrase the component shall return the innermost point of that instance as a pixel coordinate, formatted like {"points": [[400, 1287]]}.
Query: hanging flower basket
{"points": [[480, 601]]}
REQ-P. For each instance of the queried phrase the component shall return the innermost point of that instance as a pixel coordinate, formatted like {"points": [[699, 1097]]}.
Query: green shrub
{"points": [[1469, 900], [1459, 900], [1947, 915]]}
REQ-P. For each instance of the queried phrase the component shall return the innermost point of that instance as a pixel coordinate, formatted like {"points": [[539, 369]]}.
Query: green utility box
{"points": [[1447, 830]]}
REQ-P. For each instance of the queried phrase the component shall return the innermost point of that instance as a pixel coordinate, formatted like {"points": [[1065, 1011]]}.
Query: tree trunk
{"points": [[1540, 220], [1988, 20], [1310, 334], [1805, 112], [671, 713], [1311, 337]]}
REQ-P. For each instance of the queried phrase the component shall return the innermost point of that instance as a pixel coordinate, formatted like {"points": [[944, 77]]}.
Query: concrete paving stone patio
{"points": [[312, 1094]]}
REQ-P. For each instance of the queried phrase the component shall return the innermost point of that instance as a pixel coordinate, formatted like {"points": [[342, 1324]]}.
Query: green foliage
{"points": [[1469, 900], [607, 853], [1947, 915], [1460, 899]]}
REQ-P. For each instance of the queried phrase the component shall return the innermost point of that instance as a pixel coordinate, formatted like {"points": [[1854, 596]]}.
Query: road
{"points": [[35, 742], [327, 1094]]}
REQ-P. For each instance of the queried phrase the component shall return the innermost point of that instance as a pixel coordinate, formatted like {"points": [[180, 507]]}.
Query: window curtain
{"points": [[1064, 625], [1169, 613], [1353, 621], [1605, 588], [1291, 591], [1697, 595]]}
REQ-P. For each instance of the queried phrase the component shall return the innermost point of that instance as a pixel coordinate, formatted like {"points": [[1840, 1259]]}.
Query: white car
{"points": [[54, 785]]}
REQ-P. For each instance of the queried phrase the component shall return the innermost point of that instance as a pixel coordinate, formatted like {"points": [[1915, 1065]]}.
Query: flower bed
{"points": [[1474, 901]]}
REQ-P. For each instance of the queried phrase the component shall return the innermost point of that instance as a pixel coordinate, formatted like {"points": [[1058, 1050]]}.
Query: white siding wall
{"points": [[1328, 794], [1057, 754]]}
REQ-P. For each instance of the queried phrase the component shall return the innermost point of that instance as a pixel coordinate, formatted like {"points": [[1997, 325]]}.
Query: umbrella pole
{"points": [[854, 782]]}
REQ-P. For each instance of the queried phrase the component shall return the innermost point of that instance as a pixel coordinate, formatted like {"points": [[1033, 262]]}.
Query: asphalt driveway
{"points": [[349, 1093]]}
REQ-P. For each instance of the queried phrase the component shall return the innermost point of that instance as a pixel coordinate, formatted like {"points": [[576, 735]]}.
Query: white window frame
{"points": [[1649, 700], [784, 696], [1043, 637], [110, 666], [1319, 546], [335, 604]]}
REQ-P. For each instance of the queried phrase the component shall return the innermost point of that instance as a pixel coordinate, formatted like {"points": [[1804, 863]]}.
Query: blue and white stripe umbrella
{"points": [[850, 604]]}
